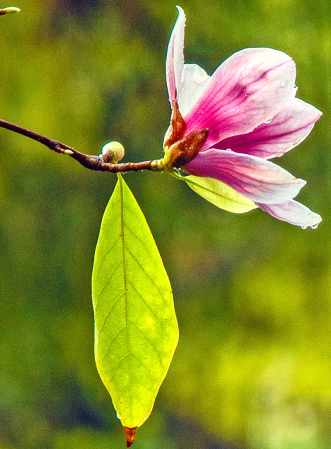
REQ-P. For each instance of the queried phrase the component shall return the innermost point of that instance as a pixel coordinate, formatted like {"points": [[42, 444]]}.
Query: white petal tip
{"points": [[316, 220], [294, 213]]}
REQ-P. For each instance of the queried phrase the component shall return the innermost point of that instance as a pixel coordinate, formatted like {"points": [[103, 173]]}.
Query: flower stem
{"points": [[91, 162]]}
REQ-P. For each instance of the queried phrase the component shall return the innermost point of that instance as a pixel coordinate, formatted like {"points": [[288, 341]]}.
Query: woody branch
{"points": [[97, 163]]}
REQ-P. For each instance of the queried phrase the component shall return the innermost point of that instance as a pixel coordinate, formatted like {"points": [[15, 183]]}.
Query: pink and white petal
{"points": [[257, 179], [285, 131], [293, 212], [249, 88], [193, 82], [175, 55]]}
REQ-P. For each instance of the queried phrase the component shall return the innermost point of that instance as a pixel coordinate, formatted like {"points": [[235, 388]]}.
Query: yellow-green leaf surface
{"points": [[220, 194], [136, 329]]}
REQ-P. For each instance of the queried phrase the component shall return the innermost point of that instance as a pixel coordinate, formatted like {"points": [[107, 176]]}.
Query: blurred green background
{"points": [[252, 294]]}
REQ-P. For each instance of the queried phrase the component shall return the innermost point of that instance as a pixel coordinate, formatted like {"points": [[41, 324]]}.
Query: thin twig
{"points": [[96, 163]]}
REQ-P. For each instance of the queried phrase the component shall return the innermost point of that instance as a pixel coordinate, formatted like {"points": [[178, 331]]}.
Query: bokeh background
{"points": [[252, 294]]}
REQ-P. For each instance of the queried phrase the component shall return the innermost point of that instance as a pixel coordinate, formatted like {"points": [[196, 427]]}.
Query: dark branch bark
{"points": [[91, 162]]}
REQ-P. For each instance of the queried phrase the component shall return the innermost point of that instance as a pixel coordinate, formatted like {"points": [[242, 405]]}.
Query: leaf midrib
{"points": [[125, 280]]}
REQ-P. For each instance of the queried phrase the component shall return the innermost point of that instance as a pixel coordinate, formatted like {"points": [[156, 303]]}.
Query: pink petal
{"points": [[175, 55], [285, 131], [259, 180], [293, 212], [249, 88]]}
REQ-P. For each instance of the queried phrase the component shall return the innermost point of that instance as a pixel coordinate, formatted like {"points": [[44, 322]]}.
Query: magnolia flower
{"points": [[226, 126]]}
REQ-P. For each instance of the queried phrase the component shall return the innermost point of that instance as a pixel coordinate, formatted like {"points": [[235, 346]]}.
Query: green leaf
{"points": [[220, 194], [136, 329]]}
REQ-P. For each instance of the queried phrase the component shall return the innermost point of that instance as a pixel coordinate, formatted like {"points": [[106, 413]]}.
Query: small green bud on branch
{"points": [[112, 152], [9, 10]]}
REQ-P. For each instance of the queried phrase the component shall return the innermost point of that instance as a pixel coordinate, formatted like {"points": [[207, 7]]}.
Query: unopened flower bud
{"points": [[112, 152], [184, 151]]}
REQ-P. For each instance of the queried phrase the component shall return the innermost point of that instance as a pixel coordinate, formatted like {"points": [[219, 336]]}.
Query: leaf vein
{"points": [[109, 279], [117, 368], [110, 344], [148, 276], [152, 345], [144, 301], [109, 312]]}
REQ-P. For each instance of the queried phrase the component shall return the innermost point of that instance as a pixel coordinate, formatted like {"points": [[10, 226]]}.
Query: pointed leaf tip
{"points": [[130, 435]]}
